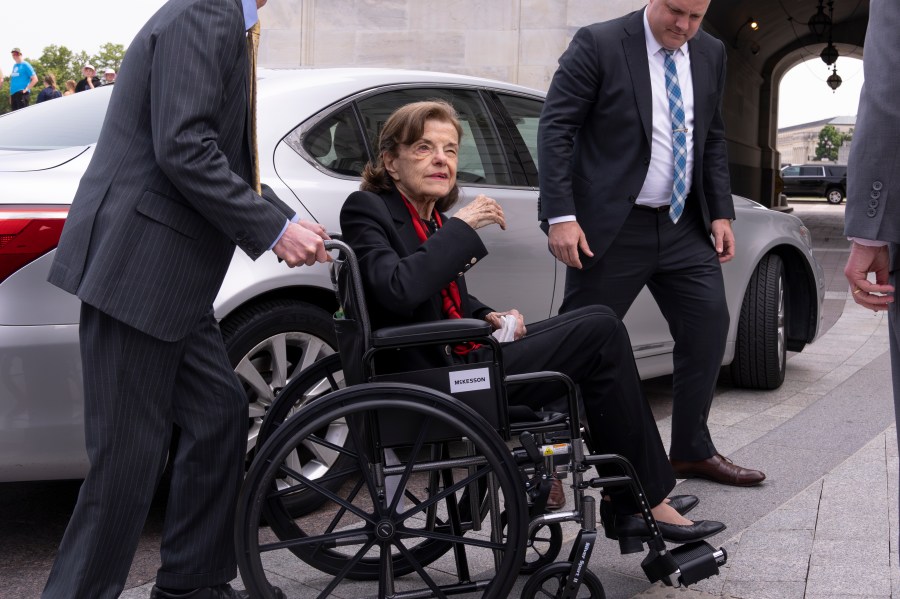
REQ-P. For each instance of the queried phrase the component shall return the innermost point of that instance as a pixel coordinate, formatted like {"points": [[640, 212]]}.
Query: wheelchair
{"points": [[427, 484]]}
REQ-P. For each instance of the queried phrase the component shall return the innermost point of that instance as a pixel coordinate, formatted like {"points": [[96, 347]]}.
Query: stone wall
{"points": [[512, 40]]}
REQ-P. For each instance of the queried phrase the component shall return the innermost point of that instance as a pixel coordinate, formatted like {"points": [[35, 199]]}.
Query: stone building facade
{"points": [[797, 144], [518, 41]]}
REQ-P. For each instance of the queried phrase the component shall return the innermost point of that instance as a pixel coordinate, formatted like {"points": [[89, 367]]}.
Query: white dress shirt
{"points": [[657, 189]]}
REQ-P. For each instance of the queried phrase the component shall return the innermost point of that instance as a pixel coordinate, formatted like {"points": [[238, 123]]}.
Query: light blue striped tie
{"points": [[679, 137]]}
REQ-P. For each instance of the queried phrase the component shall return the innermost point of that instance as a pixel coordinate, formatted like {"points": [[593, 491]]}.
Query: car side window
{"points": [[525, 114], [791, 171], [336, 144], [481, 156], [811, 171]]}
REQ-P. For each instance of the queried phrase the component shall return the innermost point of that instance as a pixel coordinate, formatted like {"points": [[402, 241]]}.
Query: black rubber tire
{"points": [[760, 353], [551, 578], [834, 195], [542, 547], [308, 333], [323, 377], [366, 519]]}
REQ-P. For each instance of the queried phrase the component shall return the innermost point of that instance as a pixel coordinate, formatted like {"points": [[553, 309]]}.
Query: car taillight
{"points": [[27, 233]]}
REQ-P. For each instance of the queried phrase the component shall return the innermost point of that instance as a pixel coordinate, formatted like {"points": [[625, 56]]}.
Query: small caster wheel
{"points": [[550, 580], [541, 548]]}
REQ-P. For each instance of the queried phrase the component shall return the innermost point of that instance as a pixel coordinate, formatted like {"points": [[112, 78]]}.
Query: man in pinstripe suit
{"points": [[149, 237]]}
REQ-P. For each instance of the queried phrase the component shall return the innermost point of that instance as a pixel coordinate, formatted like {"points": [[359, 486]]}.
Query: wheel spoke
{"points": [[418, 568], [252, 377], [479, 473], [311, 352], [278, 348], [315, 486], [439, 536]]}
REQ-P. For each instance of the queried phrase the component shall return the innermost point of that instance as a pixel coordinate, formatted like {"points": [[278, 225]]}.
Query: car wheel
{"points": [[760, 347], [834, 195], [268, 344]]}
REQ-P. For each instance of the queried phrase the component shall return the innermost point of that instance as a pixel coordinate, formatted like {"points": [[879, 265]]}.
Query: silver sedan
{"points": [[316, 130]]}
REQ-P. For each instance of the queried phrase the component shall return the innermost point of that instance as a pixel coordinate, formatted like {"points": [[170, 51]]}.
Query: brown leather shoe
{"points": [[556, 500], [719, 469]]}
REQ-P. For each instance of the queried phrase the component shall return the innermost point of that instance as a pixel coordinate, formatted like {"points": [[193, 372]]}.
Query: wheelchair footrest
{"points": [[684, 565]]}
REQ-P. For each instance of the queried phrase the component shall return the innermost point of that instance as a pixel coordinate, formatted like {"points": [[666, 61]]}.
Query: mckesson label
{"points": [[470, 380]]}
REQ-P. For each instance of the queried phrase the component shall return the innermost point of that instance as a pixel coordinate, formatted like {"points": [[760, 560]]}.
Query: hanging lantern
{"points": [[819, 23], [830, 54], [834, 80]]}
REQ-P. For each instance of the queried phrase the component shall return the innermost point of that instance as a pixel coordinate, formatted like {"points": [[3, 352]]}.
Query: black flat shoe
{"points": [[683, 503], [632, 531], [680, 503]]}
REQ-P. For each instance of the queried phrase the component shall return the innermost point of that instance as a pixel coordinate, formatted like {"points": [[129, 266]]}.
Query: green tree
{"points": [[109, 57], [830, 139], [65, 64]]}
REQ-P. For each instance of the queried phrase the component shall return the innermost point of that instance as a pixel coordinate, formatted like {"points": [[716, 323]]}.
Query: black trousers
{"points": [[592, 347], [678, 263], [19, 100], [136, 387]]}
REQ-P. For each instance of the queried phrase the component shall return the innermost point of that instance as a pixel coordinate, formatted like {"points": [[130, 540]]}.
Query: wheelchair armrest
{"points": [[440, 331], [542, 376]]}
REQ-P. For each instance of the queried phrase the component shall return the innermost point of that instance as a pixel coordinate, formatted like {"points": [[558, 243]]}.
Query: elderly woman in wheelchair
{"points": [[404, 442], [412, 258]]}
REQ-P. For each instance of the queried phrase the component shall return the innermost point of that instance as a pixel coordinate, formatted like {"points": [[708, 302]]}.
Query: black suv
{"points": [[819, 180]]}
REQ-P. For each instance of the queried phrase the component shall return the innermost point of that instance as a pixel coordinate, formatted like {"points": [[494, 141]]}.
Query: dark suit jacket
{"points": [[402, 276], [595, 130], [165, 199], [873, 172]]}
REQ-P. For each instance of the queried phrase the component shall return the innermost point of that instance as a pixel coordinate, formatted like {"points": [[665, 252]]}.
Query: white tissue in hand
{"points": [[507, 332]]}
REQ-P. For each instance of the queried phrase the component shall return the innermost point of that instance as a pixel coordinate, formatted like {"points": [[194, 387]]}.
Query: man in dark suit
{"points": [[872, 217], [634, 181], [149, 237]]}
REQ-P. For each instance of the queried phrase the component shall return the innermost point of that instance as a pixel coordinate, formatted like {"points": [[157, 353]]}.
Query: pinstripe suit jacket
{"points": [[873, 175], [154, 223]]}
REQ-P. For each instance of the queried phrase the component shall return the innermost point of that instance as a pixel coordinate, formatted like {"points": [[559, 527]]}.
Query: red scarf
{"points": [[451, 303]]}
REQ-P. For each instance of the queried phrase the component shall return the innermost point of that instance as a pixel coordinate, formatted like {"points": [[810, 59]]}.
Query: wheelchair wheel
{"points": [[387, 527], [550, 580], [541, 548], [317, 380]]}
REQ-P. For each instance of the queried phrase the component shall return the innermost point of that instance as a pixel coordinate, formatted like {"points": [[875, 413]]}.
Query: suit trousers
{"points": [[136, 387], [679, 265], [592, 347]]}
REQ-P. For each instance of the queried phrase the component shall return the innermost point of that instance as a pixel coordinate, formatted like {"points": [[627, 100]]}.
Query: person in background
{"points": [[49, 92], [109, 77], [635, 192], [70, 87], [21, 80], [90, 80]]}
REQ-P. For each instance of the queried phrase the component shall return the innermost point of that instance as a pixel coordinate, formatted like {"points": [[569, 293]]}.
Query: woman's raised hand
{"points": [[481, 212]]}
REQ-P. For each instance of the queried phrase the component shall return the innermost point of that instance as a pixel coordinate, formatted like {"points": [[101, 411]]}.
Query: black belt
{"points": [[651, 208]]}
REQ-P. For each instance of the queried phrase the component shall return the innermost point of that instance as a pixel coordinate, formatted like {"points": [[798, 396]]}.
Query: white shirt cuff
{"points": [[868, 242], [561, 219], [286, 223]]}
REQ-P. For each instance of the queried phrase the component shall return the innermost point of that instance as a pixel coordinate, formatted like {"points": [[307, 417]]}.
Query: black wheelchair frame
{"points": [[428, 482]]}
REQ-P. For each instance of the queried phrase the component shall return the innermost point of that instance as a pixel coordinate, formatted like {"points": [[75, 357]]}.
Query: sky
{"points": [[804, 95]]}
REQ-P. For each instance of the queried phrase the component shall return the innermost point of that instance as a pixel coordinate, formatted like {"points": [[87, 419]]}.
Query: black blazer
{"points": [[165, 199], [403, 277], [595, 130]]}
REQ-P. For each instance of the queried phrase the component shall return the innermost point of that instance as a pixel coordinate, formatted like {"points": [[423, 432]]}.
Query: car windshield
{"points": [[68, 121]]}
